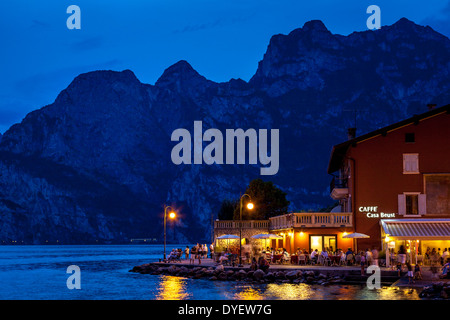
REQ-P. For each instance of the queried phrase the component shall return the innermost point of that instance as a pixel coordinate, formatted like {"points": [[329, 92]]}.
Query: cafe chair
{"points": [[419, 258], [320, 260], [268, 258], [302, 259], [350, 259]]}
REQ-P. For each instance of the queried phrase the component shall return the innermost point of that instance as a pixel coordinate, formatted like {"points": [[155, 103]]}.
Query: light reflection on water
{"points": [[178, 288], [172, 288], [39, 273]]}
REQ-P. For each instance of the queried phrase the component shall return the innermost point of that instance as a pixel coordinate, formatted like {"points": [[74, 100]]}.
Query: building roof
{"points": [[410, 229], [339, 151]]}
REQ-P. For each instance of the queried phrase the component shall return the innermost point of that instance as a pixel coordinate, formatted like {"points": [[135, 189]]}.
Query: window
{"points": [[410, 163], [411, 204], [437, 187], [321, 242], [410, 137]]}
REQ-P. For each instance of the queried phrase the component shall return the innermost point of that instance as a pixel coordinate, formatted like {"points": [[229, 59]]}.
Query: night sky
{"points": [[225, 39]]}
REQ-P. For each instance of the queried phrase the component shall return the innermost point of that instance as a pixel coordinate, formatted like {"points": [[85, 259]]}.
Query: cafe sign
{"points": [[372, 212]]}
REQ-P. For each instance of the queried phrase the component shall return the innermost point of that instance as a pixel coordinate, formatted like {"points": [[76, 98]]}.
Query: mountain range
{"points": [[95, 165]]}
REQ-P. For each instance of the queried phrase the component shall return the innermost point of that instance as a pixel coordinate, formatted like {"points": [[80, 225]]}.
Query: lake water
{"points": [[39, 273]]}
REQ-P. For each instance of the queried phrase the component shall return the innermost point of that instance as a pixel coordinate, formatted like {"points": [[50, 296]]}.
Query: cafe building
{"points": [[312, 230], [395, 182]]}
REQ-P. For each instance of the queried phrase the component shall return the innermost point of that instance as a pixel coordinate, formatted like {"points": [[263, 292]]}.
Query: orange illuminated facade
{"points": [[396, 183], [312, 230]]}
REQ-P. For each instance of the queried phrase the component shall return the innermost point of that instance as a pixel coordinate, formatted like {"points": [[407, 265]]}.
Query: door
{"points": [[316, 243]]}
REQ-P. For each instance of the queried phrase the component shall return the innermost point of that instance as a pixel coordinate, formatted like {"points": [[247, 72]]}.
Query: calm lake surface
{"points": [[39, 273]]}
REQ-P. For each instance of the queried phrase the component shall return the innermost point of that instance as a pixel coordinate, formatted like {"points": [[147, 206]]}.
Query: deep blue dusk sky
{"points": [[220, 39]]}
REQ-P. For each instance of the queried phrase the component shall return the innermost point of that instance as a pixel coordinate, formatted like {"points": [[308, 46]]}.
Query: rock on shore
{"points": [[219, 273], [437, 290]]}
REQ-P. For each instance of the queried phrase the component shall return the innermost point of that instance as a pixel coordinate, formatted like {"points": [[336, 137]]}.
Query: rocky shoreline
{"points": [[219, 273], [436, 290]]}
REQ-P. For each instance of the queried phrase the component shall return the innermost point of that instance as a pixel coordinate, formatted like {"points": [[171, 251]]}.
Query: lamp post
{"points": [[172, 215], [249, 206]]}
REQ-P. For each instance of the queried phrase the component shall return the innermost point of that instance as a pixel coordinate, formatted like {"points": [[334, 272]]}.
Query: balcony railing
{"points": [[311, 220], [246, 224], [339, 188]]}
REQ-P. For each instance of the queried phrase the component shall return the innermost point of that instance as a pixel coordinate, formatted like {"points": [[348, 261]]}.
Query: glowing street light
{"points": [[172, 216], [250, 206]]}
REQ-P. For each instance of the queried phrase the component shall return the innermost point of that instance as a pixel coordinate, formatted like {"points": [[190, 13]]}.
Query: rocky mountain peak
{"points": [[179, 76], [314, 26]]}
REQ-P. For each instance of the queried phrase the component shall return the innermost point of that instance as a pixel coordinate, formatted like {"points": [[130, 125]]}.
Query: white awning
{"points": [[420, 229]]}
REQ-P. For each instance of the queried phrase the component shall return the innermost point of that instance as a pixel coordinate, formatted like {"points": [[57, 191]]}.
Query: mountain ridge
{"points": [[95, 164]]}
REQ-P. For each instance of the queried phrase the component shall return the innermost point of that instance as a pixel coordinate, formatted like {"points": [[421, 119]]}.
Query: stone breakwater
{"points": [[437, 290], [219, 273]]}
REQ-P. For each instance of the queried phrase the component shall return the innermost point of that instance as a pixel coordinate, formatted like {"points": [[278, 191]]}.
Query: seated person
{"points": [[172, 255], [254, 264], [263, 264], [446, 270], [417, 272], [285, 257], [349, 251], [224, 256], [313, 256], [399, 268]]}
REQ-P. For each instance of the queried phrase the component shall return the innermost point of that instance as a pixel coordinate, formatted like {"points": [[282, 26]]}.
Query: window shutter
{"points": [[401, 204], [422, 204]]}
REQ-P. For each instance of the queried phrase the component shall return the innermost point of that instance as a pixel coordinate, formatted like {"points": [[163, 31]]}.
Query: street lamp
{"points": [[172, 216], [250, 206]]}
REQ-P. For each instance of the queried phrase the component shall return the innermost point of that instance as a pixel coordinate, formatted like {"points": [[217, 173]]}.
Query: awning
{"points": [[420, 229]]}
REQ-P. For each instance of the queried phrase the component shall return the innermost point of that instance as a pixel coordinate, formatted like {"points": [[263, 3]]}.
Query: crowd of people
{"points": [[433, 257], [341, 257], [364, 258], [197, 252]]}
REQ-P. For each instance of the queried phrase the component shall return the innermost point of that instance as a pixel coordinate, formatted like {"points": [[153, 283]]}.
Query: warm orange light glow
{"points": [[172, 288], [345, 233], [250, 206], [172, 215], [301, 234]]}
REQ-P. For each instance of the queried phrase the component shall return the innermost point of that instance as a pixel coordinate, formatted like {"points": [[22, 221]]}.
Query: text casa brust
{"points": [[391, 184], [372, 212]]}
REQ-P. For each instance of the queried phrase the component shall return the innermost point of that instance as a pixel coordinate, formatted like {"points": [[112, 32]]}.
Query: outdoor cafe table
{"points": [[334, 259], [294, 259], [276, 257]]}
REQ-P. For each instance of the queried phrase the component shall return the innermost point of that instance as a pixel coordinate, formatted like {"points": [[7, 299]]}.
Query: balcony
{"points": [[311, 220], [246, 224], [338, 188]]}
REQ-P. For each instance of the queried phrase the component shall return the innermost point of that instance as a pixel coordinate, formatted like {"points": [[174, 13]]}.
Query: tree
{"points": [[268, 200], [227, 208]]}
